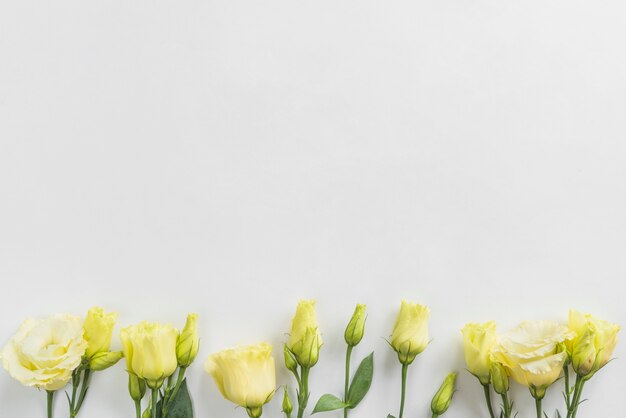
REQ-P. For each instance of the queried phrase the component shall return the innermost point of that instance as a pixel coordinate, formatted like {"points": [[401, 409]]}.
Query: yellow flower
{"points": [[188, 342], [98, 327], [356, 327], [245, 375], [478, 341], [410, 334], [593, 343], [534, 354], [44, 352], [150, 351], [305, 340]]}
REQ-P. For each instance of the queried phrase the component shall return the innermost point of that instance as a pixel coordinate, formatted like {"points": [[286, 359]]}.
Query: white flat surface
{"points": [[230, 157]]}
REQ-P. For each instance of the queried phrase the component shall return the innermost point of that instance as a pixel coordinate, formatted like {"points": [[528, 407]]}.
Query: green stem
{"points": [[347, 380], [435, 416], [506, 406], [568, 397], [155, 400], [580, 382], [405, 369], [303, 395], [50, 398], [83, 391], [487, 391], [76, 375], [138, 409], [538, 407]]}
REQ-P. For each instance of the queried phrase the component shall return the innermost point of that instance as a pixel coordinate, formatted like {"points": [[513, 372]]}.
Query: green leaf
{"points": [[180, 406], [361, 381], [390, 416], [328, 402]]}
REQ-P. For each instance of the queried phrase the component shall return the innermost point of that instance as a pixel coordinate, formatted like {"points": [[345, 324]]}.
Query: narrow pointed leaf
{"points": [[361, 381], [328, 402]]}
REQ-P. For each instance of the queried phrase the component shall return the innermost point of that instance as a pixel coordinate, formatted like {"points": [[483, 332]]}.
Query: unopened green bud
{"points": [[188, 342], [442, 399], [584, 354], [104, 359], [499, 378], [290, 360], [356, 326], [148, 412], [287, 406], [136, 387]]}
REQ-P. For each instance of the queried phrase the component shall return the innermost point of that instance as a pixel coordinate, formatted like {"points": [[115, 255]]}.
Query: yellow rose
{"points": [[534, 354], [245, 376], [44, 352], [150, 351], [98, 327], [410, 334], [188, 342], [478, 341], [305, 340], [593, 342]]}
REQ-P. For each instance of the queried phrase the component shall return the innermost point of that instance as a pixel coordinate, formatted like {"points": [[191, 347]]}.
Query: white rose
{"points": [[44, 352], [534, 353]]}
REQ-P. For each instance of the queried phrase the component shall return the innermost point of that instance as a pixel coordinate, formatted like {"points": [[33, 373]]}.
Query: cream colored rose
{"points": [[534, 353], [245, 376], [150, 351], [410, 333], [44, 352], [305, 340], [478, 341], [593, 342], [98, 327]]}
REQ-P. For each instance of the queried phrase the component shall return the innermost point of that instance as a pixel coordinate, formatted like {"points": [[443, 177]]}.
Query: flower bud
{"points": [[287, 406], [136, 387], [305, 340], [442, 399], [356, 326], [188, 342], [104, 360], [148, 412], [410, 333], [98, 330], [478, 342], [290, 360], [593, 343], [584, 353], [499, 378]]}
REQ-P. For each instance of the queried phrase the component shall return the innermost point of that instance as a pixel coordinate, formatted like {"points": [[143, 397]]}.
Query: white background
{"points": [[231, 157]]}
